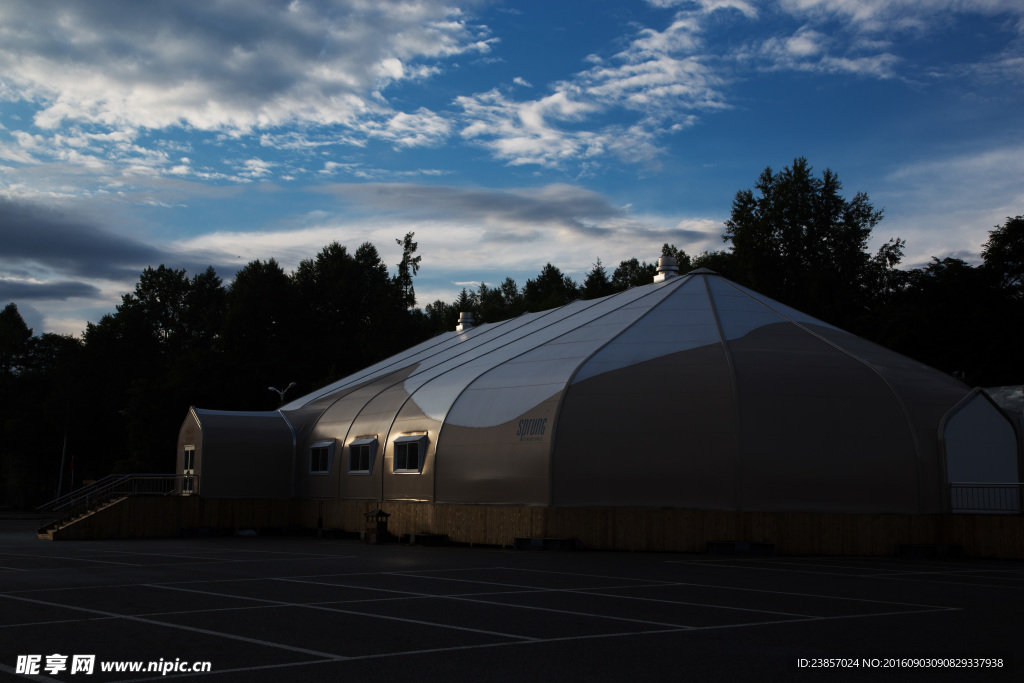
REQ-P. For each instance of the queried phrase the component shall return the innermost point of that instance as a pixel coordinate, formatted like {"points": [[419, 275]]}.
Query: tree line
{"points": [[112, 400]]}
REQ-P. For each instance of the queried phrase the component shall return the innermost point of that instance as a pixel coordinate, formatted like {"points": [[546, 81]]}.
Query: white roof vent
{"points": [[465, 321], [667, 268]]}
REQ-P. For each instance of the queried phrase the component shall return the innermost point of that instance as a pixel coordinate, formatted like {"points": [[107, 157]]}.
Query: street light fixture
{"points": [[281, 392]]}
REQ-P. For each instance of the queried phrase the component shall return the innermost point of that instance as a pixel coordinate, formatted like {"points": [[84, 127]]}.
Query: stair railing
{"points": [[58, 503], [122, 486]]}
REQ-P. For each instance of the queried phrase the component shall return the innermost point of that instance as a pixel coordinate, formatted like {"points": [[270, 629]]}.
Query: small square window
{"points": [[320, 455], [361, 453], [409, 454]]}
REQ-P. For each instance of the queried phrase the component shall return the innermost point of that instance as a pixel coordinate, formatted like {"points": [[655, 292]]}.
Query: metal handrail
{"points": [[127, 485], [986, 497], [61, 501]]}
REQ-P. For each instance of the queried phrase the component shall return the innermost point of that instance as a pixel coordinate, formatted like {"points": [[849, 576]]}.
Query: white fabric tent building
{"points": [[690, 393]]}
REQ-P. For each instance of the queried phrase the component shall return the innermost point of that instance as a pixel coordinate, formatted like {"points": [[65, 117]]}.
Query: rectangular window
{"points": [[320, 456], [319, 460], [407, 456], [409, 452], [188, 468], [361, 453]]}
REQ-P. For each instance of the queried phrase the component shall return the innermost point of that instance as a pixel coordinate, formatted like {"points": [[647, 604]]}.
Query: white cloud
{"points": [[708, 6], [255, 168], [889, 15], [809, 50], [949, 204], [655, 80], [230, 66]]}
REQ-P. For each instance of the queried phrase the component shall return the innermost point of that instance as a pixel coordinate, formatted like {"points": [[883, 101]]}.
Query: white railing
{"points": [[986, 497]]}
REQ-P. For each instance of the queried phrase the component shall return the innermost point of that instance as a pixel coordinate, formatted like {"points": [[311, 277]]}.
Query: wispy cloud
{"points": [[950, 203], [459, 229], [657, 80]]}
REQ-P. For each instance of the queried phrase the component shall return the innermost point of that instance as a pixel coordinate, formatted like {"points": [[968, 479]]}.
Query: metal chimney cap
{"points": [[667, 268], [465, 321]]}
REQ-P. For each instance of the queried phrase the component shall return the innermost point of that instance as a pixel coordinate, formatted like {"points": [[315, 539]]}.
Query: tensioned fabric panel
{"points": [[683, 321], [650, 419], [448, 381], [660, 433], [497, 435], [818, 429], [440, 346], [781, 309], [505, 464], [447, 377], [926, 394], [921, 394], [527, 373]]}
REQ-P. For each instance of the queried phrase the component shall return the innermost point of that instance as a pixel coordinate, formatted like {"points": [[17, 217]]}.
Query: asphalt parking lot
{"points": [[290, 608]]}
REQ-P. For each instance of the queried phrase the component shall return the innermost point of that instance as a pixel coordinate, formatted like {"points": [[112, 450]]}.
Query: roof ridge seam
{"points": [[738, 481]]}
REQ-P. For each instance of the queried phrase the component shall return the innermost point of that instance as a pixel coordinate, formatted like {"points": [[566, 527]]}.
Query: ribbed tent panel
{"points": [[498, 434]]}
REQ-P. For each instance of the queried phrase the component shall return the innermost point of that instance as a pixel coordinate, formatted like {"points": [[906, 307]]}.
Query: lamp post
{"points": [[281, 392]]}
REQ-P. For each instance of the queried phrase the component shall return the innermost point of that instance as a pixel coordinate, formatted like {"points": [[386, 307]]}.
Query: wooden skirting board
{"points": [[793, 533]]}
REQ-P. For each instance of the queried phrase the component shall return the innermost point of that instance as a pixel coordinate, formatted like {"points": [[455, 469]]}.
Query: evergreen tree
{"points": [[550, 289], [633, 273], [798, 240], [597, 282]]}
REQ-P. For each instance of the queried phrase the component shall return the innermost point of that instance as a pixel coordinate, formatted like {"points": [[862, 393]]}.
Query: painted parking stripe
{"points": [[193, 629], [345, 611]]}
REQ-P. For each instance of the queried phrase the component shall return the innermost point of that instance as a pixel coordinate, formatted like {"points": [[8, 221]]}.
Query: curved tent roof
{"points": [[691, 392]]}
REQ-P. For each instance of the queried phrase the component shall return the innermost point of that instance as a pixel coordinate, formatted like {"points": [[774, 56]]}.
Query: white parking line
{"points": [[526, 643], [79, 559], [181, 627], [344, 611]]}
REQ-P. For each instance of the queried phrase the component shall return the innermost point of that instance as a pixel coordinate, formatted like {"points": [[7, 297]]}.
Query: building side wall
{"points": [[190, 434], [245, 457]]}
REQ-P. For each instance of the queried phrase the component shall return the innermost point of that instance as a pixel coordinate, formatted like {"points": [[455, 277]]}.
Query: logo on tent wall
{"points": [[532, 429]]}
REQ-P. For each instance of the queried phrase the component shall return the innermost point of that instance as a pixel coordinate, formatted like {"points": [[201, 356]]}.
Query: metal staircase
{"points": [[108, 491]]}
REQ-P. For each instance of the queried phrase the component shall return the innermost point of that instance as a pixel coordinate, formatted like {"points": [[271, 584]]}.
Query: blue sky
{"points": [[505, 134]]}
